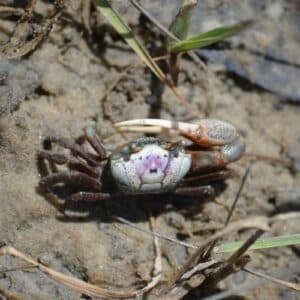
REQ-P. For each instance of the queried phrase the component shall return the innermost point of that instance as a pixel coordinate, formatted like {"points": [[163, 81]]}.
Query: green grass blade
{"points": [[121, 27], [181, 23], [264, 243], [208, 38]]}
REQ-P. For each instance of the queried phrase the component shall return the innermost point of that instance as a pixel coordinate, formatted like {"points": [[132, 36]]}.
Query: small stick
{"points": [[238, 193], [213, 244], [287, 162], [124, 221], [290, 285]]}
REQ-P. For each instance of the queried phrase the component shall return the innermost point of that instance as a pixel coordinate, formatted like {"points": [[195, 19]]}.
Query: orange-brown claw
{"points": [[205, 133], [217, 158]]}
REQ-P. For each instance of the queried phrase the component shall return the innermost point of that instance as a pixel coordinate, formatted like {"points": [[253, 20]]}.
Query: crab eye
{"points": [[175, 152], [126, 153]]}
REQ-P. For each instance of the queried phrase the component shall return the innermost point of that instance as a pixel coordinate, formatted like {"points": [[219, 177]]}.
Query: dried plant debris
{"points": [[87, 288], [205, 275], [31, 30], [17, 80]]}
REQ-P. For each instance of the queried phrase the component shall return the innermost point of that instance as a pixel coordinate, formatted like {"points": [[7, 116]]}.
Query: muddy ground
{"points": [[59, 88]]}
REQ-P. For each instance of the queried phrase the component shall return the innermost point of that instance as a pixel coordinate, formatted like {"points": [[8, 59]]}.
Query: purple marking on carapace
{"points": [[151, 163]]}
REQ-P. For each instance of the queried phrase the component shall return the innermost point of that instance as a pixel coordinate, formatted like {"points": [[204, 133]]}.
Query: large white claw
{"points": [[206, 132]]}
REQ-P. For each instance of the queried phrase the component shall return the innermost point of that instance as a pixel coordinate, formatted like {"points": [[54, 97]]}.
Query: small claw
{"points": [[206, 133], [217, 158]]}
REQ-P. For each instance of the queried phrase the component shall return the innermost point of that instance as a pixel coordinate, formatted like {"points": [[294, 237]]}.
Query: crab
{"points": [[146, 165]]}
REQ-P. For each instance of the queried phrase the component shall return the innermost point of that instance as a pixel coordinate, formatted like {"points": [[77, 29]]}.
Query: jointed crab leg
{"points": [[71, 177], [206, 132], [72, 162], [195, 191], [92, 138], [219, 175], [74, 148]]}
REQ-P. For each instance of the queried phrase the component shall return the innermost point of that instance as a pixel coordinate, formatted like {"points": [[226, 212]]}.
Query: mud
{"points": [[67, 83]]}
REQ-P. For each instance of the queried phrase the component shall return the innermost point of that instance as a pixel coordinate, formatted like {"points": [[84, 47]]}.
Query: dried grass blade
{"points": [[82, 286], [290, 285]]}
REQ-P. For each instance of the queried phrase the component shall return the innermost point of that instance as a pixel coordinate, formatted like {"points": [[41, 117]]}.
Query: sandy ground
{"points": [[64, 95]]}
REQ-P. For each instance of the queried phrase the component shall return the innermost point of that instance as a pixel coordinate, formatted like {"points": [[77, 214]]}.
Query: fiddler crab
{"points": [[147, 165]]}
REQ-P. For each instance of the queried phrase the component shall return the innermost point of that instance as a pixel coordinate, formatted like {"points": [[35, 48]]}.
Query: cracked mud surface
{"points": [[63, 84]]}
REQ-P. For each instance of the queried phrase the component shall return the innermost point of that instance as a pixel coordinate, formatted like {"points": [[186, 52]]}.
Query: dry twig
{"points": [[260, 223], [290, 285], [87, 288]]}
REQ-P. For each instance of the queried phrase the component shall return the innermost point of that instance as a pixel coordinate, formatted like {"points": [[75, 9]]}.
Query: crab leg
{"points": [[219, 175], [93, 139], [71, 177], [74, 148], [196, 191], [206, 132], [72, 163], [88, 197]]}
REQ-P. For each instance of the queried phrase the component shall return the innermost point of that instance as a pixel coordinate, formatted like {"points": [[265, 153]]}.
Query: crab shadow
{"points": [[132, 208]]}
